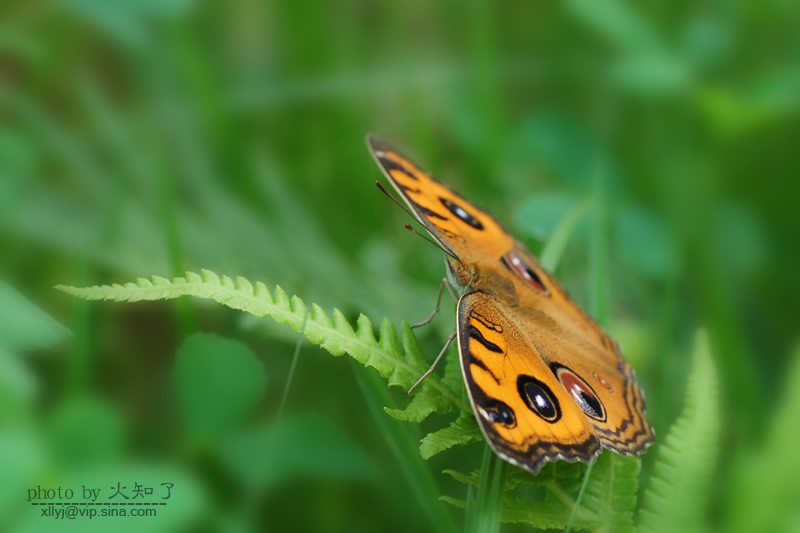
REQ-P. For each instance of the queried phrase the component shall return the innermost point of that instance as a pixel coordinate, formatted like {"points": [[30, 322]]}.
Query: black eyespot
{"points": [[581, 392], [462, 214], [539, 398], [523, 270], [501, 413]]}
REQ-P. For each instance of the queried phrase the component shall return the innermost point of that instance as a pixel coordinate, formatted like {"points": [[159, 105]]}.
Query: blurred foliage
{"points": [[153, 137], [687, 457]]}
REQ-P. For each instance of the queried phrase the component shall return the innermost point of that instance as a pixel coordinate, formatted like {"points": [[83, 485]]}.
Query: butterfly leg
{"points": [[444, 284], [436, 362]]}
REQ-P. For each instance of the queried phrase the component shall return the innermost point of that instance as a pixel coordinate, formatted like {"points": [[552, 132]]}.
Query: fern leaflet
{"points": [[400, 363], [681, 479]]}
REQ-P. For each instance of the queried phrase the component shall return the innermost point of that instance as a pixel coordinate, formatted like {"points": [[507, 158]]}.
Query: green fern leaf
{"points": [[566, 476], [425, 402], [552, 513], [453, 379], [461, 504], [681, 478], [607, 505], [562, 480], [764, 490], [429, 400], [472, 479], [335, 335], [463, 430], [611, 492]]}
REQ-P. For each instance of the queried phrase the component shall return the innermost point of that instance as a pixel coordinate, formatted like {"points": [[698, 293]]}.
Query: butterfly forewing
{"points": [[460, 227]]}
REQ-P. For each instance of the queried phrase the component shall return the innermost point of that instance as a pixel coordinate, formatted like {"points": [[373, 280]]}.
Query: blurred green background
{"points": [[158, 136]]}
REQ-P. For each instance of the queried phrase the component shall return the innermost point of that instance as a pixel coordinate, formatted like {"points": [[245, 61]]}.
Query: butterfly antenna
{"points": [[408, 226], [395, 200], [436, 244]]}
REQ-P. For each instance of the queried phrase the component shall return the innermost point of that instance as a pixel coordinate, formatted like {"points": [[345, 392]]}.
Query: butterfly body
{"points": [[544, 380]]}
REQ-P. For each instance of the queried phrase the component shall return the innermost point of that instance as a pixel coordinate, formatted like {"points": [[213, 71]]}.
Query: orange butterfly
{"points": [[545, 381]]}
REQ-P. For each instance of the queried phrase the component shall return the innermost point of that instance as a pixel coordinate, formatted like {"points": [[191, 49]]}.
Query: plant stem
{"points": [[555, 245], [485, 512], [290, 377], [577, 505]]}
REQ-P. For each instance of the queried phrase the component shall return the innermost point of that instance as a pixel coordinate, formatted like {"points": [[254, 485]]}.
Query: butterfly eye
{"points": [[461, 213], [539, 398], [523, 270], [581, 392]]}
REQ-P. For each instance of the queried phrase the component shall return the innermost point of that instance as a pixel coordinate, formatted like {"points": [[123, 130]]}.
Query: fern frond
{"points": [[463, 430], [335, 335], [428, 400], [461, 504], [681, 479], [764, 490], [607, 505], [551, 513], [567, 476], [611, 493]]}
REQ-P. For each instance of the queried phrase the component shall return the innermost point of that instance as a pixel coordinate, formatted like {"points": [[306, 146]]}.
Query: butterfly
{"points": [[544, 380]]}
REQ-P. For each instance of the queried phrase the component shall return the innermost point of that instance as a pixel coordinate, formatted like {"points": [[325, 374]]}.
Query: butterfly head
{"points": [[461, 275], [468, 277]]}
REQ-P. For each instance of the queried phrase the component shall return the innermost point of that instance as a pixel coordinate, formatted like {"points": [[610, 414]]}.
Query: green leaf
{"points": [[611, 493], [484, 512], [305, 445], [557, 243], [399, 362], [645, 244], [765, 485], [461, 504], [652, 74], [608, 502], [18, 388], [22, 457], [617, 22], [23, 326], [218, 381], [541, 214], [336, 336], [428, 399], [126, 22], [463, 430], [561, 145], [567, 476], [86, 431], [679, 486], [552, 513], [765, 99]]}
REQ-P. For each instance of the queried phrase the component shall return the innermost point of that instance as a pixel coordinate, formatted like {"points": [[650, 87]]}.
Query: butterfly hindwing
{"points": [[523, 410], [591, 366]]}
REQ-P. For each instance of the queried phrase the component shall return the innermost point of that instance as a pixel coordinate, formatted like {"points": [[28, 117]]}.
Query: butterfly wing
{"points": [[525, 413], [587, 362], [464, 230]]}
